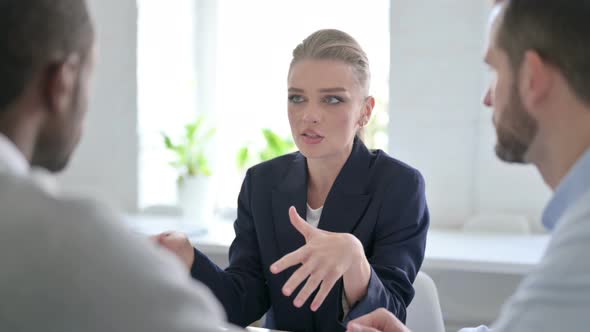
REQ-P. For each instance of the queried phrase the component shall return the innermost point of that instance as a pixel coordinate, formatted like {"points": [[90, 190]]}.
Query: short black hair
{"points": [[558, 30], [35, 34]]}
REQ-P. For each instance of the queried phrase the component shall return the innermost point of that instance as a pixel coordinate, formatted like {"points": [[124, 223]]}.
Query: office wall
{"points": [[105, 164]]}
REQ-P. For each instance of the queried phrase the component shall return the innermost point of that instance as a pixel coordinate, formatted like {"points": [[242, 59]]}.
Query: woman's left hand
{"points": [[325, 258]]}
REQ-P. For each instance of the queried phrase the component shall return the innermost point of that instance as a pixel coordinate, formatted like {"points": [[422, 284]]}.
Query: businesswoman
{"points": [[331, 232]]}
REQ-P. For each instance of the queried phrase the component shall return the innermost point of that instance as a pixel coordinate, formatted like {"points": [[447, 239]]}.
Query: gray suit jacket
{"points": [[555, 296], [70, 265]]}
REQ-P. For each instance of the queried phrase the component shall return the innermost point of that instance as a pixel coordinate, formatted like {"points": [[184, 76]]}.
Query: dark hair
{"points": [[558, 30], [35, 34]]}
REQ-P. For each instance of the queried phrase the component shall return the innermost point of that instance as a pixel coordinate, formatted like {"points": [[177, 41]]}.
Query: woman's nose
{"points": [[310, 115]]}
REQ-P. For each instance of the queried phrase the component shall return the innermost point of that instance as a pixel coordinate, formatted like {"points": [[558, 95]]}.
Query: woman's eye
{"points": [[333, 100], [296, 99]]}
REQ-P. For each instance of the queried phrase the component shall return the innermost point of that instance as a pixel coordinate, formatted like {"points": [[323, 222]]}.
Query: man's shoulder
{"points": [[76, 251], [571, 236], [47, 230], [579, 211], [26, 206], [559, 286]]}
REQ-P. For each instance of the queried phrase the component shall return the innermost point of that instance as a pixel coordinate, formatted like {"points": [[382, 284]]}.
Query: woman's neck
{"points": [[322, 175]]}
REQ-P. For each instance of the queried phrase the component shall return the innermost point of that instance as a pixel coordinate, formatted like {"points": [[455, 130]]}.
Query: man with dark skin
{"points": [[68, 264]]}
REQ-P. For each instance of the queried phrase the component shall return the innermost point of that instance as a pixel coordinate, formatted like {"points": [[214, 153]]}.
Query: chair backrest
{"points": [[424, 313]]}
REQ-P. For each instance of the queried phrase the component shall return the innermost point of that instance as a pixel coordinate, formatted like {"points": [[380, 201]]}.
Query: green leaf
{"points": [[190, 130], [168, 142], [243, 157], [193, 128], [208, 135], [190, 156], [272, 140], [275, 146], [204, 165]]}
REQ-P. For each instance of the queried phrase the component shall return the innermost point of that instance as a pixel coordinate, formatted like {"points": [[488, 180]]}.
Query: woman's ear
{"points": [[367, 111]]}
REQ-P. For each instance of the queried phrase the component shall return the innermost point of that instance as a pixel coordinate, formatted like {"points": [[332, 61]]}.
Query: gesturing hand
{"points": [[325, 258]]}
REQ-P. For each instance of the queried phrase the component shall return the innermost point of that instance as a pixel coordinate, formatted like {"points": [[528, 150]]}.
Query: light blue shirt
{"points": [[571, 189]]}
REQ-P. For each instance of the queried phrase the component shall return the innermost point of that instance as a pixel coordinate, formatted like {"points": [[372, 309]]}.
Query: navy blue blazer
{"points": [[375, 197]]}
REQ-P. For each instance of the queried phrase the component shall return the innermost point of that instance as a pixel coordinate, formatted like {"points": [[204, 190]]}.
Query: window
{"points": [[166, 90], [238, 52]]}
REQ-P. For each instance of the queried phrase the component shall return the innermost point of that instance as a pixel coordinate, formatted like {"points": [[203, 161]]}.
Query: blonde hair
{"points": [[332, 44]]}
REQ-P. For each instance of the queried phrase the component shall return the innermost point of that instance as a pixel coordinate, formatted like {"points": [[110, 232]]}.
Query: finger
{"points": [[174, 237], [294, 258], [352, 327], [313, 282], [378, 319], [162, 235], [296, 279], [173, 234], [327, 285], [174, 241], [300, 225], [158, 238]]}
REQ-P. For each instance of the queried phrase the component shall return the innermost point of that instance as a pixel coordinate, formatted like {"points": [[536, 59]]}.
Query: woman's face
{"points": [[327, 106]]}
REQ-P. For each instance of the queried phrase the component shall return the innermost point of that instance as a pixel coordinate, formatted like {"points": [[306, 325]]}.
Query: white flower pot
{"points": [[195, 200]]}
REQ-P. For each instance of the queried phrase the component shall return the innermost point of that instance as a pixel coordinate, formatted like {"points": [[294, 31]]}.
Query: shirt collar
{"points": [[11, 158], [573, 186]]}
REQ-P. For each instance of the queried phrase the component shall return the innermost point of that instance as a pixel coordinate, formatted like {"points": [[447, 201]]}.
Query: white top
{"points": [[313, 216], [69, 265]]}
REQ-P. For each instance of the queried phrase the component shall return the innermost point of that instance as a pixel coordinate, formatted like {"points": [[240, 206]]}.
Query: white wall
{"points": [[105, 164], [438, 123]]}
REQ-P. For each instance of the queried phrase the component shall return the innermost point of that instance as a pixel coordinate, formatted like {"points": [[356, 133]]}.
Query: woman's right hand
{"points": [[179, 244], [379, 320]]}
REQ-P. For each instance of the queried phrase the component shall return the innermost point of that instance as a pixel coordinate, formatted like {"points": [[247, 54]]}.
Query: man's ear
{"points": [[60, 83], [536, 80]]}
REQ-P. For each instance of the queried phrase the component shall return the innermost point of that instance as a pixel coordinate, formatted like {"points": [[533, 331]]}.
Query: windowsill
{"points": [[484, 252], [446, 249]]}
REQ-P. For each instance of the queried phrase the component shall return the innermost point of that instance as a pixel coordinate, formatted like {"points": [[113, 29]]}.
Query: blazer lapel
{"points": [[347, 201], [292, 191], [345, 205], [342, 213]]}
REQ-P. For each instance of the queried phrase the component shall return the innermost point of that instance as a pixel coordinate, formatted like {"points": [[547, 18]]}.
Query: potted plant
{"points": [[194, 173], [275, 146]]}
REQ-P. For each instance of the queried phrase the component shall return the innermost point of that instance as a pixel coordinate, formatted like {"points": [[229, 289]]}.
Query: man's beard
{"points": [[515, 131]]}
